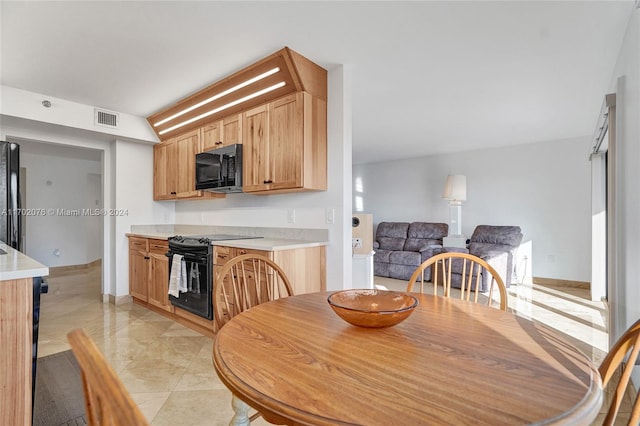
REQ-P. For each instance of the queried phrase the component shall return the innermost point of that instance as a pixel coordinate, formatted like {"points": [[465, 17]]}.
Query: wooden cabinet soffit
{"points": [[279, 74]]}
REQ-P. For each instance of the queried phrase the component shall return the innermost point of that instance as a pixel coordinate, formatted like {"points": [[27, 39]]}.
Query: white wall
{"points": [[626, 84], [55, 185], [311, 207], [543, 187], [28, 105], [18, 128], [133, 185], [125, 164]]}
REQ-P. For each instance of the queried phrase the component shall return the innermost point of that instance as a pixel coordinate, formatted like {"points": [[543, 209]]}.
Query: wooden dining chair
{"points": [[243, 282], [471, 268], [246, 281], [627, 344], [106, 400]]}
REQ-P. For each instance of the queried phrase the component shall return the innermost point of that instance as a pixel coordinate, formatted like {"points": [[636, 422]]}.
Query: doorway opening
{"points": [[64, 182]]}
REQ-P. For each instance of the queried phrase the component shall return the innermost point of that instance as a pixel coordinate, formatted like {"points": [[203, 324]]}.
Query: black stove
{"points": [[196, 270]]}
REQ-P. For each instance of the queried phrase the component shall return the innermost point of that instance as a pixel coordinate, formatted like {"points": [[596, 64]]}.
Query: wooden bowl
{"points": [[372, 308]]}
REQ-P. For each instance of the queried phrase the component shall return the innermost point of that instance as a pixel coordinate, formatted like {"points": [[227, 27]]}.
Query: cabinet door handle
{"points": [[243, 252], [218, 143], [147, 257], [173, 193], [268, 181]]}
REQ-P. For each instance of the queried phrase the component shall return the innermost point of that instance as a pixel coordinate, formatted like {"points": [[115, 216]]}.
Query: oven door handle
{"points": [[188, 258]]}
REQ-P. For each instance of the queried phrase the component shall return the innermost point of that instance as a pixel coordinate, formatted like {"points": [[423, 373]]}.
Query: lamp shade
{"points": [[455, 188]]}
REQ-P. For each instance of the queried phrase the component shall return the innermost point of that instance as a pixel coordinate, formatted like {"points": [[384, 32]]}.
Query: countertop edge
{"points": [[267, 244], [15, 265]]}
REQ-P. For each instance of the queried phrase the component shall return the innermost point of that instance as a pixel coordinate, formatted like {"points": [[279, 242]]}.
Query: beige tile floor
{"points": [[167, 367]]}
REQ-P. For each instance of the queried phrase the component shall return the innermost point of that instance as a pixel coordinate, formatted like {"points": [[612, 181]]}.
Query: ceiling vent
{"points": [[106, 118]]}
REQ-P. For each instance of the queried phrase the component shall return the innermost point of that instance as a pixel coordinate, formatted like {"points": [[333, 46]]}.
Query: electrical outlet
{"points": [[291, 215], [356, 243]]}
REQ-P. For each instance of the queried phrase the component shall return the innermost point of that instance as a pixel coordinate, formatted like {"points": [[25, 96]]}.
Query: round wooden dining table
{"points": [[452, 362]]}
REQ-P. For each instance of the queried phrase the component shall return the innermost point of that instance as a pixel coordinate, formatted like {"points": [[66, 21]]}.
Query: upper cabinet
{"points": [[185, 172], [174, 164], [276, 108], [164, 169], [222, 133], [285, 146]]}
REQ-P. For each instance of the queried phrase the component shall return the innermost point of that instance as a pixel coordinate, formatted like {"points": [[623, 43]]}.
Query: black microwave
{"points": [[220, 170]]}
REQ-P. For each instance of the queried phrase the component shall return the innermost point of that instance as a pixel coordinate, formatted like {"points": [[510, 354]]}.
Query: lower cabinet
{"points": [[149, 275], [305, 267], [159, 275], [149, 272], [138, 268]]}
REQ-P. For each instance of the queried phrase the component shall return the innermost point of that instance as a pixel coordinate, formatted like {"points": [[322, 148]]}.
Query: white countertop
{"points": [[155, 235], [266, 244], [270, 244], [15, 265]]}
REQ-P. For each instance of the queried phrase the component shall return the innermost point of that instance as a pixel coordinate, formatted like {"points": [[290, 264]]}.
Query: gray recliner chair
{"points": [[495, 244]]}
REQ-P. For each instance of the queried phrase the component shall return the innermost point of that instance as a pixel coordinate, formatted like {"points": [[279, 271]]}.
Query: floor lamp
{"points": [[455, 190]]}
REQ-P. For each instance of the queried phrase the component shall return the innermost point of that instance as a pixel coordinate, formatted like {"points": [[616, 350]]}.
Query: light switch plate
{"points": [[331, 215]]}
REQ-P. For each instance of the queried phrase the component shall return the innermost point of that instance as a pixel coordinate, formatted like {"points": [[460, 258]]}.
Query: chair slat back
{"points": [[471, 266], [246, 281], [627, 347], [107, 401]]}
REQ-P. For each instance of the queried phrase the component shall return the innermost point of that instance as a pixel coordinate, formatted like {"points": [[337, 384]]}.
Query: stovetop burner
{"points": [[206, 239]]}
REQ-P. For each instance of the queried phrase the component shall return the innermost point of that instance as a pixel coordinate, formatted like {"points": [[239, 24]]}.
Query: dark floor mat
{"points": [[59, 399]]}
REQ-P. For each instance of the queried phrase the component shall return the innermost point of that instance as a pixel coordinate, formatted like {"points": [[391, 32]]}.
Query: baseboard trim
{"points": [[120, 300], [552, 282], [70, 268]]}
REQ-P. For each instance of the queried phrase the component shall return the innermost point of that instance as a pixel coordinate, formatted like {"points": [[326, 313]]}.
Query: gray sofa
{"points": [[400, 247], [497, 245]]}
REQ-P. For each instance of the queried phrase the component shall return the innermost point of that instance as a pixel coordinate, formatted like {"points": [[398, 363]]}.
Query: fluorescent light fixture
{"points": [[219, 95], [223, 107]]}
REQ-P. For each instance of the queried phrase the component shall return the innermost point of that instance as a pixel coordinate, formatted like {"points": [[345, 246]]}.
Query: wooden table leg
{"points": [[241, 410]]}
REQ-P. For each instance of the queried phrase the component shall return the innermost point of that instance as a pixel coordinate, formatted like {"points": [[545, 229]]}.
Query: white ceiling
{"points": [[428, 77]]}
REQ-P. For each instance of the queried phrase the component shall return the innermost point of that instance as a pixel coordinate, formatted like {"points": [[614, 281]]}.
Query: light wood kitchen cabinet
{"points": [[159, 275], [285, 145], [164, 169], [139, 268], [16, 328], [305, 267], [283, 129], [174, 168], [222, 133], [149, 271], [187, 146], [232, 130], [222, 254], [211, 136]]}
